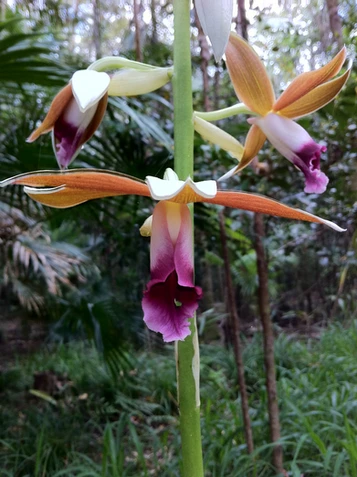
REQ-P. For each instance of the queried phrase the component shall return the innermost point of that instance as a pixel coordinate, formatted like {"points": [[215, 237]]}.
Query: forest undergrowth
{"points": [[65, 412]]}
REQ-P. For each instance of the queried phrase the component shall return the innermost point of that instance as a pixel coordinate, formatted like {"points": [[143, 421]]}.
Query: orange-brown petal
{"points": [[316, 99], [249, 76], [306, 82], [77, 185], [253, 143], [264, 205], [58, 104]]}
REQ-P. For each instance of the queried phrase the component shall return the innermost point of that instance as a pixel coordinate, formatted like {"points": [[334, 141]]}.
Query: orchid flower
{"points": [[75, 114], [78, 109], [171, 297], [274, 118], [215, 17]]}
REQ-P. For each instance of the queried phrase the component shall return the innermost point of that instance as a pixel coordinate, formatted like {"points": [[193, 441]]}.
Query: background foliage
{"points": [[80, 273]]}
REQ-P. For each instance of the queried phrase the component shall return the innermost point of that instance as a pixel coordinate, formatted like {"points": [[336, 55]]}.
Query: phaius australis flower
{"points": [[75, 114], [78, 109], [274, 118], [170, 298]]}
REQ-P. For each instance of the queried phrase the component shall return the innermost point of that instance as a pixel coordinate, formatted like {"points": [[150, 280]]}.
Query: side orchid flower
{"points": [[274, 118], [171, 297], [75, 114]]}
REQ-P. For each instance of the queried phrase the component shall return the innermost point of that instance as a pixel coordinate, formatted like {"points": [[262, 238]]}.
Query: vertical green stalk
{"points": [[188, 361]]}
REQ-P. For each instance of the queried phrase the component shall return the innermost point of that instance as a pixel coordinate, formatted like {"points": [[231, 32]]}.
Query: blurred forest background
{"points": [[85, 389]]}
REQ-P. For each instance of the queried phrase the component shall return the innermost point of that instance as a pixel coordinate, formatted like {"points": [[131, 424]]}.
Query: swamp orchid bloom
{"points": [[215, 17], [75, 114], [171, 297], [307, 93]]}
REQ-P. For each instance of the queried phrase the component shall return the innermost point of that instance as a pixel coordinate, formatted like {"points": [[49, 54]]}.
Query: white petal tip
{"points": [[228, 174], [89, 87]]}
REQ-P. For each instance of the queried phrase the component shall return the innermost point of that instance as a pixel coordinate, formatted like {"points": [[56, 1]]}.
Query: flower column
{"points": [[187, 351]]}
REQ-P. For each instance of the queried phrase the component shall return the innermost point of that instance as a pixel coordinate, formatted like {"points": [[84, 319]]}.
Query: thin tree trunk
{"points": [[153, 22], [235, 326], [269, 361], [335, 22], [97, 33], [205, 57], [138, 52], [242, 22]]}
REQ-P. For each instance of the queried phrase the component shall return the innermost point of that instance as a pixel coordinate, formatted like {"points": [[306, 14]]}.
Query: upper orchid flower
{"points": [[78, 109], [307, 93], [75, 114], [171, 297]]}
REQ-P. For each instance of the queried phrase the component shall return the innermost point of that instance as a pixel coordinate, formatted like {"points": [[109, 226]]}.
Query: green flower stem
{"points": [[239, 108], [187, 351], [116, 62]]}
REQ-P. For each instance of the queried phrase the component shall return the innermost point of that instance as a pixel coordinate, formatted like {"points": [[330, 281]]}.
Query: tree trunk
{"points": [[205, 57], [97, 33], [235, 327], [242, 22], [335, 22], [138, 52], [269, 362], [153, 22]]}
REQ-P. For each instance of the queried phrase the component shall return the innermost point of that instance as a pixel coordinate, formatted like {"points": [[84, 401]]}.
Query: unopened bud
{"points": [[134, 82], [145, 229]]}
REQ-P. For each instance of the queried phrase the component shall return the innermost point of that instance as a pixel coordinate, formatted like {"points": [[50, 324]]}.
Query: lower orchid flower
{"points": [[171, 298], [307, 93]]}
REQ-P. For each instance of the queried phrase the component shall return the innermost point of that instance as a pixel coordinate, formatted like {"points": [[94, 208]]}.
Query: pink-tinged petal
{"points": [[293, 142], [171, 245], [168, 307], [171, 298]]}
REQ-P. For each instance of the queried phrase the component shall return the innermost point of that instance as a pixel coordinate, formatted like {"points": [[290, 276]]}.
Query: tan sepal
{"points": [[58, 104], [253, 143], [249, 76], [306, 82], [264, 205], [67, 188], [316, 99], [215, 135], [97, 119]]}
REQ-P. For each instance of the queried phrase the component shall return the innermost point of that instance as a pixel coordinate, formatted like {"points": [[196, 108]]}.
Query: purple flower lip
{"points": [[168, 307], [308, 161], [293, 142]]}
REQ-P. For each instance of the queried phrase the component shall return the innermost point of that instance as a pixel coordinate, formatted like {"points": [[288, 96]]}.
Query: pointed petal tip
{"points": [[215, 17], [228, 174]]}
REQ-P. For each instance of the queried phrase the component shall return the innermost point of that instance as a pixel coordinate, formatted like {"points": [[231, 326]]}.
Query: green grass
{"points": [[120, 423]]}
